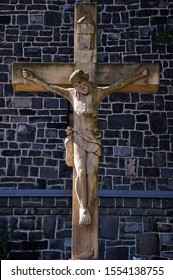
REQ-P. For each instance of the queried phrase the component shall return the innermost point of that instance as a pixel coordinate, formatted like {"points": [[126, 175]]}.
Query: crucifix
{"points": [[78, 82]]}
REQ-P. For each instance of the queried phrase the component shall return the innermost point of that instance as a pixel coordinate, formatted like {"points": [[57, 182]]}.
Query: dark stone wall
{"points": [[129, 228], [137, 130]]}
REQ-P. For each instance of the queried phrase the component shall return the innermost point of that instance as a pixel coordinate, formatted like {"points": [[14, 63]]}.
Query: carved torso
{"points": [[85, 111]]}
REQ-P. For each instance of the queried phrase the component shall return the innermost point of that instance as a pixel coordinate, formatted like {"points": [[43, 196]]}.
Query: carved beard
{"points": [[84, 93], [78, 93]]}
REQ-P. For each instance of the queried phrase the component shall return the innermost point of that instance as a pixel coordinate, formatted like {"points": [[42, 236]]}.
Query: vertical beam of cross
{"points": [[85, 238]]}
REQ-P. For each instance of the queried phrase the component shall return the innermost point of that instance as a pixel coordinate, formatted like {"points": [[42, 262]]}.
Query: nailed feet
{"points": [[84, 216]]}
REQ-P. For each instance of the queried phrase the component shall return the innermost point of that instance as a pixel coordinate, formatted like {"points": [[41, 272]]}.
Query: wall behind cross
{"points": [[137, 129]]}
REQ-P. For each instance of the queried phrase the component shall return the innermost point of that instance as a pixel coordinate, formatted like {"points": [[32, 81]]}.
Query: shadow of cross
{"points": [[85, 99]]}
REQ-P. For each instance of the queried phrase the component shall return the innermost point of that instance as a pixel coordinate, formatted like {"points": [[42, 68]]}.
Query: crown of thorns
{"points": [[78, 74]]}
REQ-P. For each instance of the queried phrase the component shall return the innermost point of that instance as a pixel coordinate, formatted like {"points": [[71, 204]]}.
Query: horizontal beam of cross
{"points": [[102, 74]]}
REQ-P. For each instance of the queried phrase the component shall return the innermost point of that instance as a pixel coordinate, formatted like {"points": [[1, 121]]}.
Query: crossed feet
{"points": [[84, 216]]}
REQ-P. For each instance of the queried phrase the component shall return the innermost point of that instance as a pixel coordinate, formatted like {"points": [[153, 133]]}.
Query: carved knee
{"points": [[81, 173], [91, 173]]}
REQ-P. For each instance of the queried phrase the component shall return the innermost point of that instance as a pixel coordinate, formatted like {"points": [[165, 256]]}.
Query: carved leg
{"points": [[92, 179], [81, 185]]}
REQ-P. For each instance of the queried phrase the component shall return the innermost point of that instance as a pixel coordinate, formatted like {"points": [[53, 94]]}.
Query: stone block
{"points": [[34, 245], [11, 167], [101, 253], [103, 57], [1, 135], [34, 153], [164, 227], [32, 52], [142, 118], [115, 57], [2, 173], [10, 134], [48, 173], [38, 161], [4, 202], [15, 202], [52, 18], [49, 224], [4, 78], [41, 183], [2, 102], [130, 46], [2, 162], [108, 227], [57, 244], [28, 2], [167, 173], [132, 59], [122, 151], [18, 49], [158, 122], [8, 89], [147, 13], [123, 121], [64, 170], [160, 159], [40, 119], [145, 203], [117, 108], [27, 223], [19, 119], [168, 105], [21, 102], [25, 255], [18, 235], [36, 19], [35, 235], [102, 124], [166, 238], [136, 139], [26, 133], [116, 18], [130, 202], [34, 171], [151, 172], [158, 20], [5, 20], [145, 106], [13, 222], [11, 153], [64, 233], [22, 19], [148, 244], [150, 141], [107, 182], [153, 3], [132, 228], [142, 21], [52, 255], [106, 18], [117, 253]]}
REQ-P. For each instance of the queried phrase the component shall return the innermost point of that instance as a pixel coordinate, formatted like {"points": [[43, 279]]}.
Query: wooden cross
{"points": [[85, 238]]}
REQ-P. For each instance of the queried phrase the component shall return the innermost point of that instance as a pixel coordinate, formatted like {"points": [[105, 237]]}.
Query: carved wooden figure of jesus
{"points": [[83, 142]]}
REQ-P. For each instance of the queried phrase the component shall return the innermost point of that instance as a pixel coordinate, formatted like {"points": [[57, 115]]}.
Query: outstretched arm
{"points": [[123, 82], [31, 76]]}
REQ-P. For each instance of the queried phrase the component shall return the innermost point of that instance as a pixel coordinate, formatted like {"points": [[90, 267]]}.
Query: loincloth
{"points": [[89, 141]]}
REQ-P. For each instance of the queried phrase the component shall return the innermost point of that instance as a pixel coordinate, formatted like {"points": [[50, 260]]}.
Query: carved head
{"points": [[78, 75], [80, 80]]}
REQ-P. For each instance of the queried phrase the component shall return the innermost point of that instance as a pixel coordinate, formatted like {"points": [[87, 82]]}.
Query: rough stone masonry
{"points": [[137, 131]]}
